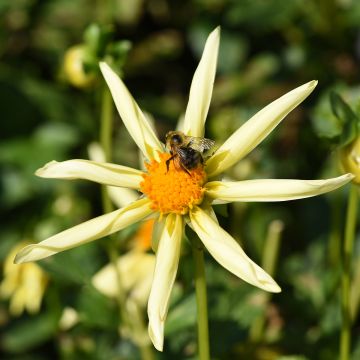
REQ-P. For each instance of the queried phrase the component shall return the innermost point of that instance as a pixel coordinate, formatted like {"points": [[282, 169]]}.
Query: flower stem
{"points": [[201, 301], [106, 130], [345, 339], [106, 127], [334, 252], [355, 291], [268, 263]]}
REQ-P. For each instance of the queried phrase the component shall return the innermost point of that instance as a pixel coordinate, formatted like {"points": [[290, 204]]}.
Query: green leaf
{"points": [[347, 118], [75, 266], [181, 315], [30, 332], [96, 310], [97, 37]]}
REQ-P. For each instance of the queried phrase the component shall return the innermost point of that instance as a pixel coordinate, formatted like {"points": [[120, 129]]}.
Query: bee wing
{"points": [[182, 153], [201, 144]]}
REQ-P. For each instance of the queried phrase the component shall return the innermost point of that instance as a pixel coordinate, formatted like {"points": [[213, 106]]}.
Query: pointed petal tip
{"points": [[106, 69], [214, 37], [103, 66], [41, 172], [216, 31], [342, 179], [156, 338], [312, 84], [22, 255], [273, 288], [349, 176], [17, 260], [307, 87]]}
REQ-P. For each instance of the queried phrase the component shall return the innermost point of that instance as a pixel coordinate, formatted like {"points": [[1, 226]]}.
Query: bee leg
{"points": [[167, 162], [185, 169]]}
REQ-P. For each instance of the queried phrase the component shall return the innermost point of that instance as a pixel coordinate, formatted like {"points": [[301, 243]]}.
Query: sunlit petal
{"points": [[202, 87], [158, 229], [167, 260], [255, 130], [228, 253], [88, 231], [272, 189], [103, 173], [132, 116]]}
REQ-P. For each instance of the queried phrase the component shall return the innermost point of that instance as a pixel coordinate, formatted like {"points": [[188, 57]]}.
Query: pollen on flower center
{"points": [[173, 190]]}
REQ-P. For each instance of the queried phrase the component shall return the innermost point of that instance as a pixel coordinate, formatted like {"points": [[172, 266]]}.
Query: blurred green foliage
{"points": [[267, 48]]}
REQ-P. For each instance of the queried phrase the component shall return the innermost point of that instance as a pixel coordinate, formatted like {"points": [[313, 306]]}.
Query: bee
{"points": [[187, 152]]}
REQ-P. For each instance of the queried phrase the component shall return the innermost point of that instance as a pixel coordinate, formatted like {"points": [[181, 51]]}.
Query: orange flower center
{"points": [[173, 190]]}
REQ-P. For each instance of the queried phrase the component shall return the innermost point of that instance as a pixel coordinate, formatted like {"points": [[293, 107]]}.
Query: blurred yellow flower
{"points": [[176, 197], [135, 269], [23, 284], [73, 68], [350, 159]]}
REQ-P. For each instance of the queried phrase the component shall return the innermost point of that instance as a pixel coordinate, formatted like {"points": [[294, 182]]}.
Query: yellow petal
{"points": [[272, 189], [228, 253], [156, 233], [255, 130], [103, 173], [88, 231], [167, 260], [202, 87], [132, 116]]}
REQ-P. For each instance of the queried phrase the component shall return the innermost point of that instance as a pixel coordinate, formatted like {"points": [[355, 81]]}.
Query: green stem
{"points": [[355, 291], [334, 248], [268, 263], [106, 128], [106, 125], [146, 352], [345, 339], [201, 302]]}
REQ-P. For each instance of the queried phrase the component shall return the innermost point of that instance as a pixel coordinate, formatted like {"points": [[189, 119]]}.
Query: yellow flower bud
{"points": [[74, 68], [350, 159]]}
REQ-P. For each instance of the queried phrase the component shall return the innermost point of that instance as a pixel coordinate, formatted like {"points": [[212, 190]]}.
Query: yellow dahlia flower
{"points": [[177, 198], [23, 284], [135, 269]]}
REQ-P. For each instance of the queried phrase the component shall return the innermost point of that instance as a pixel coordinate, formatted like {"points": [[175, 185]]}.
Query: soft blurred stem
{"points": [[269, 261], [146, 352], [345, 339], [140, 331], [106, 125], [355, 291], [334, 249], [272, 245], [106, 130], [201, 300], [105, 10]]}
